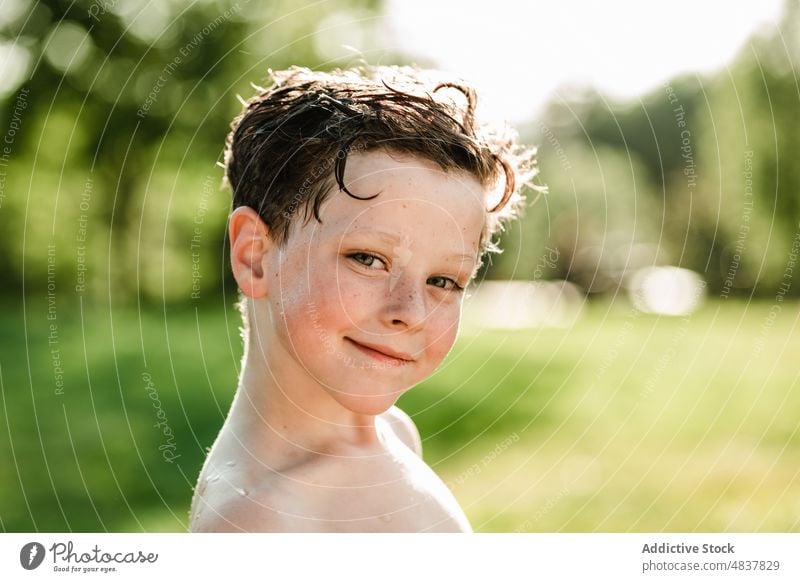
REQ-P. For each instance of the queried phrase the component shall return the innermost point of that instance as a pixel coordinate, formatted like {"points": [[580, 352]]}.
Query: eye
{"points": [[367, 260], [445, 283]]}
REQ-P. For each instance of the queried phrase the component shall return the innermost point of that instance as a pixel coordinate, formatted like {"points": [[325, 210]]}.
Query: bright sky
{"points": [[518, 53]]}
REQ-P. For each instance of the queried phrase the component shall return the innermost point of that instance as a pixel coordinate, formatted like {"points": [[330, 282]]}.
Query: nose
{"points": [[405, 306]]}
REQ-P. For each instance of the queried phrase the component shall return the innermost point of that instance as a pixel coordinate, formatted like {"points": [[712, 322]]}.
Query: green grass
{"points": [[627, 423], [621, 423]]}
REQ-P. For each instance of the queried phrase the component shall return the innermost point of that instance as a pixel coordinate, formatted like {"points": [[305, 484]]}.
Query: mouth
{"points": [[383, 354]]}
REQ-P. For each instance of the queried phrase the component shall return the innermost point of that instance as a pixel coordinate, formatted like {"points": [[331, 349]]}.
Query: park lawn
{"points": [[625, 422], [622, 422]]}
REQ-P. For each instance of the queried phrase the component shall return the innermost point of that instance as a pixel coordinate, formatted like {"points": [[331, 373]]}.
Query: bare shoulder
{"points": [[234, 501], [404, 428], [237, 512]]}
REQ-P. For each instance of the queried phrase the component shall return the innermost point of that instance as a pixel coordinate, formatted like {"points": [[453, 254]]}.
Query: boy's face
{"points": [[368, 301]]}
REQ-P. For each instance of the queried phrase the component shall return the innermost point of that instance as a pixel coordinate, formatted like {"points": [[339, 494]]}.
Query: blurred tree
{"points": [[120, 92], [748, 210], [716, 158]]}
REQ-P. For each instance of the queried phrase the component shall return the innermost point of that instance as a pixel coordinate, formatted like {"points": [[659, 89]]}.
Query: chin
{"points": [[371, 405]]}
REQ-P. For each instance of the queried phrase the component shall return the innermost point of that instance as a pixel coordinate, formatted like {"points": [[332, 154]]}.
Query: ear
{"points": [[250, 242]]}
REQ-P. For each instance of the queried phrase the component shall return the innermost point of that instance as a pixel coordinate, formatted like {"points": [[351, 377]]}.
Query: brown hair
{"points": [[292, 140]]}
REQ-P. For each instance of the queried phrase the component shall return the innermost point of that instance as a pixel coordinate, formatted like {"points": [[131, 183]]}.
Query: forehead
{"points": [[416, 200]]}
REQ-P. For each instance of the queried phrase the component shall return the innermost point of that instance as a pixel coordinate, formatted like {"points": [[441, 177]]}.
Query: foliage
{"points": [[699, 173], [123, 121]]}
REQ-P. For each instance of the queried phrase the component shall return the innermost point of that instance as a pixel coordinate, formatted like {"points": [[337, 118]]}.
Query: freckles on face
{"points": [[407, 263], [385, 273]]}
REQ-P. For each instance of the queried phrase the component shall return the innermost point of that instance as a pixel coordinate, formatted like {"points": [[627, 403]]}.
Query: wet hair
{"points": [[289, 146]]}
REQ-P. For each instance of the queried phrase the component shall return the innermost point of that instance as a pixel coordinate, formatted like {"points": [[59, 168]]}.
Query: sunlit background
{"points": [[628, 363]]}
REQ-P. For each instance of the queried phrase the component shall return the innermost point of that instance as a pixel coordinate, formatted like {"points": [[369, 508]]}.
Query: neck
{"points": [[287, 413]]}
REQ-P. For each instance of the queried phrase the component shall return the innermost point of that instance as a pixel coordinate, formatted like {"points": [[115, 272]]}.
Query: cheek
{"points": [[350, 299], [442, 331], [299, 308], [320, 305]]}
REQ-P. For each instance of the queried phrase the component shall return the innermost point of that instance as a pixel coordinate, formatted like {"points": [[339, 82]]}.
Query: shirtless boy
{"points": [[363, 203]]}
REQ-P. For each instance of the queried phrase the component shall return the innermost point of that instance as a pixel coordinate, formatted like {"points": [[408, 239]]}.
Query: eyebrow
{"points": [[393, 239]]}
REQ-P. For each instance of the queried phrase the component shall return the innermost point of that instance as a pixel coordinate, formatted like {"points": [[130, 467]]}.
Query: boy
{"points": [[363, 203]]}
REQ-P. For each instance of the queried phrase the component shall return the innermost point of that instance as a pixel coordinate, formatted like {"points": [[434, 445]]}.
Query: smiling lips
{"points": [[382, 353]]}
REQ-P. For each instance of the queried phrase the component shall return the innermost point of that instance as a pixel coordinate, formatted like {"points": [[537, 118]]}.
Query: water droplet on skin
{"points": [[231, 463], [212, 478], [242, 492]]}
